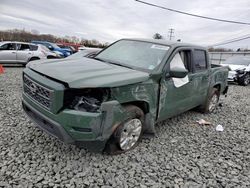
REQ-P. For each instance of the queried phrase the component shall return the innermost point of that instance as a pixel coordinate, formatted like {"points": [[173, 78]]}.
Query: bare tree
{"points": [[157, 36], [25, 36]]}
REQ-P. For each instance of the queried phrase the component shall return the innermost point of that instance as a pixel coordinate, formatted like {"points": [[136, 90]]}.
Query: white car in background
{"points": [[20, 52], [239, 69], [49, 54], [87, 52]]}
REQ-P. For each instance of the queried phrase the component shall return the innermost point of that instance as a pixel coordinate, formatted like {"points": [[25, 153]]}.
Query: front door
{"points": [[177, 95], [8, 53]]}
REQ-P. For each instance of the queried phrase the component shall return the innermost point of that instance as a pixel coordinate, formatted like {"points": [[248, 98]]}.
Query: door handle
{"points": [[13, 52]]}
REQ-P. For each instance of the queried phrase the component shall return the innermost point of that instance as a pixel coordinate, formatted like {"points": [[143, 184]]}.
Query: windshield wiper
{"points": [[114, 63], [96, 58], [122, 65]]}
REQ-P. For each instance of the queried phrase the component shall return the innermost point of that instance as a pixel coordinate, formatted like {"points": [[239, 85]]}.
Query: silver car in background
{"points": [[87, 52], [20, 52], [239, 69]]}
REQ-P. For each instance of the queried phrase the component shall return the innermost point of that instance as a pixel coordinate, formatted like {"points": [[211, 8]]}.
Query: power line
{"points": [[231, 41], [190, 14]]}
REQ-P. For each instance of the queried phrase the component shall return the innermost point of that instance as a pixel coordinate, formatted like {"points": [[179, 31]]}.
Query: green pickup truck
{"points": [[108, 102]]}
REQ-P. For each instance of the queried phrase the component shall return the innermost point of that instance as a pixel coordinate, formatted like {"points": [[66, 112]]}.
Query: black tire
{"points": [[245, 80], [206, 108], [112, 146]]}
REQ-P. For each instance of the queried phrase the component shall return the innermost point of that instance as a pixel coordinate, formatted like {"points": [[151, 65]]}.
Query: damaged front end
{"points": [[236, 75], [86, 100], [95, 110]]}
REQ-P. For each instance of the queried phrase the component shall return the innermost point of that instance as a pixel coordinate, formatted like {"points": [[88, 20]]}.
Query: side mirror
{"points": [[178, 72]]}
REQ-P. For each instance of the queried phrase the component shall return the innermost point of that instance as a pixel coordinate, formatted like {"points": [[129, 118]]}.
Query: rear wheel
{"points": [[212, 102], [128, 133], [245, 80]]}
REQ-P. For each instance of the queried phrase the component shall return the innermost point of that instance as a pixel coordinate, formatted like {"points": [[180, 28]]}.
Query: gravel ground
{"points": [[183, 154]]}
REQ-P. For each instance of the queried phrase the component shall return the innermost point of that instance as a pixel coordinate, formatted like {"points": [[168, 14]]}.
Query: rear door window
{"points": [[23, 47], [199, 60]]}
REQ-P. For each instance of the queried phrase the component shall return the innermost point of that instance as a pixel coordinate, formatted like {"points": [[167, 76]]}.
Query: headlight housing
{"points": [[86, 100]]}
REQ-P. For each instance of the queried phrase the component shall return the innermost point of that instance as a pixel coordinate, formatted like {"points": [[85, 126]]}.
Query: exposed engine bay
{"points": [[88, 100]]}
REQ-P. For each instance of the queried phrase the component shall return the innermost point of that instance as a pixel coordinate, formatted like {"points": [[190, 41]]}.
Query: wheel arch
{"points": [[34, 58], [140, 104], [149, 123], [217, 86]]}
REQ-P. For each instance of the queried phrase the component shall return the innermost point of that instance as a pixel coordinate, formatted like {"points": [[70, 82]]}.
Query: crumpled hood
{"points": [[86, 72]]}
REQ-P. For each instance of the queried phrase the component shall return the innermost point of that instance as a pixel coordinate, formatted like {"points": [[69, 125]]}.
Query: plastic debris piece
{"points": [[203, 122], [219, 128]]}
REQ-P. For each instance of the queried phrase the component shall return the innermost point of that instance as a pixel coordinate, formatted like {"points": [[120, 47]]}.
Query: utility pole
{"points": [[171, 33]]}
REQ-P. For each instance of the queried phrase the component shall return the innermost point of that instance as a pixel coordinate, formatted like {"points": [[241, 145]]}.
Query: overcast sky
{"points": [[109, 20]]}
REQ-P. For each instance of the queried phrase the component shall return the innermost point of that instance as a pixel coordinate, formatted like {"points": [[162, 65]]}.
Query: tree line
{"points": [[26, 36]]}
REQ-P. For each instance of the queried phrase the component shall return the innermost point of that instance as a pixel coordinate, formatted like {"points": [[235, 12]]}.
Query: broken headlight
{"points": [[86, 100]]}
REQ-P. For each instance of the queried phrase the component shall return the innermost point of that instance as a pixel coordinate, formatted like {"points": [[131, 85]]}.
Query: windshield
{"points": [[53, 45], [44, 48], [144, 55], [46, 44], [238, 61]]}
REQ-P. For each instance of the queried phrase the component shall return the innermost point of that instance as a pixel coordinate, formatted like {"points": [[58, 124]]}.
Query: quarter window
{"points": [[33, 48], [200, 62]]}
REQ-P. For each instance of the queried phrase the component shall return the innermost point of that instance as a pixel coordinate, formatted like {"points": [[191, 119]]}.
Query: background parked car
{"points": [[69, 44], [85, 53], [50, 54], [81, 48], [239, 69], [53, 47], [67, 47], [20, 52]]}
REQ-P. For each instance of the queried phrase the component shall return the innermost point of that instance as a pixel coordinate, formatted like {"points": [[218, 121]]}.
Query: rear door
{"points": [[8, 53], [201, 74], [24, 52]]}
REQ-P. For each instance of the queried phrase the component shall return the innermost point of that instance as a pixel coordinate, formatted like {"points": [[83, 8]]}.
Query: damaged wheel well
{"points": [[141, 104], [217, 86]]}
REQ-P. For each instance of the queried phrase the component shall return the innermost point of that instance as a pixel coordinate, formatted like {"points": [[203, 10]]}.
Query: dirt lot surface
{"points": [[183, 154]]}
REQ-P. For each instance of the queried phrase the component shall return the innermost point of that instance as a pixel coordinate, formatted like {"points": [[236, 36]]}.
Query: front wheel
{"points": [[212, 102], [128, 133]]}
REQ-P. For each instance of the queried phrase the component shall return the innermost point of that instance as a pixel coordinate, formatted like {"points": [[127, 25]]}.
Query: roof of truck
{"points": [[165, 42]]}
